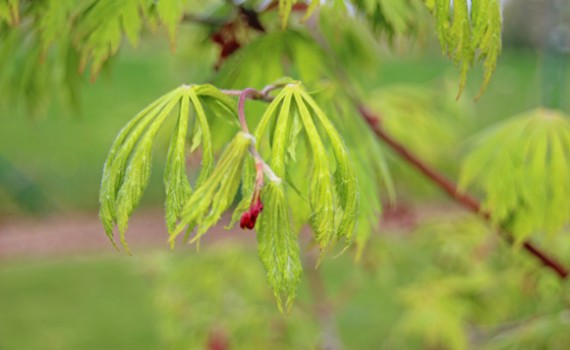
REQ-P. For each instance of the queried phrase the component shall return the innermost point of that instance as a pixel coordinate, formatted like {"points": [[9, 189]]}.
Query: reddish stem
{"points": [[450, 187], [244, 95]]}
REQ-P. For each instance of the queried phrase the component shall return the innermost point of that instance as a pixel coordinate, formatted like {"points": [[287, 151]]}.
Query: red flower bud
{"points": [[249, 218]]}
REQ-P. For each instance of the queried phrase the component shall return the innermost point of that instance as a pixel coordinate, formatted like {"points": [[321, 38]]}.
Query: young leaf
{"points": [[278, 247], [214, 195], [522, 167], [321, 191], [115, 165], [176, 183], [138, 171], [207, 148], [346, 183], [127, 168], [468, 31]]}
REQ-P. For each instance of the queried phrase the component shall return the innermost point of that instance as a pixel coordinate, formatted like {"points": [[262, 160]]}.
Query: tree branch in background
{"points": [[449, 187]]}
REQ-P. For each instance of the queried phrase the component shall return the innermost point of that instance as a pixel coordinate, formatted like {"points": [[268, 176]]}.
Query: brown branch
{"points": [[449, 187]]}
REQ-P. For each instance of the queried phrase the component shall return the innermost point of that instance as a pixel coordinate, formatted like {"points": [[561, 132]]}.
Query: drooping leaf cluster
{"points": [[293, 117], [469, 30], [307, 62], [127, 168], [523, 169]]}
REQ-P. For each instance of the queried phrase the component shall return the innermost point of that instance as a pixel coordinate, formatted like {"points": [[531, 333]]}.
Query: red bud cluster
{"points": [[249, 218]]}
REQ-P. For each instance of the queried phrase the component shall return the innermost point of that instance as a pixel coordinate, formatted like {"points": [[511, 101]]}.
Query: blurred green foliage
{"points": [[466, 289]]}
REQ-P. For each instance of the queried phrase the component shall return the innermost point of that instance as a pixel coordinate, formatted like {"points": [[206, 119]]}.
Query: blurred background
{"points": [[63, 286]]}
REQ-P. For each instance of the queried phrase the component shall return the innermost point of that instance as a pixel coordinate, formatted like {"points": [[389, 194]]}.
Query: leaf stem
{"points": [[253, 94], [249, 218]]}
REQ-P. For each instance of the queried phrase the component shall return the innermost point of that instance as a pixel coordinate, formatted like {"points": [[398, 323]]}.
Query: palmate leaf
{"points": [[467, 33], [332, 193], [523, 168], [117, 160], [127, 168]]}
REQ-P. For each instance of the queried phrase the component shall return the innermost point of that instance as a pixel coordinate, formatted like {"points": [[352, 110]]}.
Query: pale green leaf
{"points": [[278, 246], [321, 191], [114, 169], [176, 183], [521, 167], [216, 193]]}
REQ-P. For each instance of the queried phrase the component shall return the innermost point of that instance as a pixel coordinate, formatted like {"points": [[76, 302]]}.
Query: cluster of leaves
{"points": [[46, 45], [467, 30], [96, 27], [293, 117], [310, 64], [395, 18], [127, 168], [82, 34], [450, 295], [523, 168]]}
